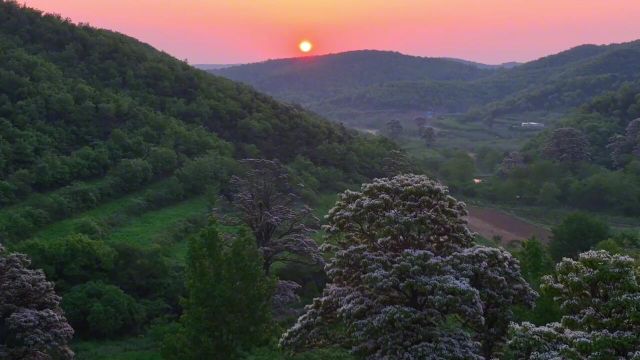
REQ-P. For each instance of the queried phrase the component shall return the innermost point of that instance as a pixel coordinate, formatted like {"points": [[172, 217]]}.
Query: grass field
{"points": [[136, 348], [145, 228]]}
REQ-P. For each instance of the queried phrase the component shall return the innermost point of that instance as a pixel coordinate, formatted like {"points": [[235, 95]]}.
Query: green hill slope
{"points": [[88, 116]]}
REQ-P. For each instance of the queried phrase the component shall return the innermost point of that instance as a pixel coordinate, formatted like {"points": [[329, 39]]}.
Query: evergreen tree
{"points": [[228, 307]]}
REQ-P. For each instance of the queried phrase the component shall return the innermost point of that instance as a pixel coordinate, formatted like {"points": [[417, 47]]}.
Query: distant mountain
{"points": [[507, 65], [213, 66], [315, 79], [562, 81], [340, 85]]}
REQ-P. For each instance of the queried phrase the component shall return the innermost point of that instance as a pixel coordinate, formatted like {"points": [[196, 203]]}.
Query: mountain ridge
{"points": [[370, 80]]}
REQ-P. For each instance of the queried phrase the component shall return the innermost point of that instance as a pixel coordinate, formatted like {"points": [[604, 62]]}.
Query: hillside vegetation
{"points": [[113, 153], [90, 115], [589, 160]]}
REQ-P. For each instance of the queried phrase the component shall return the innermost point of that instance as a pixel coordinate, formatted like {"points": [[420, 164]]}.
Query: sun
{"points": [[305, 46]]}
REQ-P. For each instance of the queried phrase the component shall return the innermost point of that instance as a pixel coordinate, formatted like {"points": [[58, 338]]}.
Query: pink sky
{"points": [[238, 31]]}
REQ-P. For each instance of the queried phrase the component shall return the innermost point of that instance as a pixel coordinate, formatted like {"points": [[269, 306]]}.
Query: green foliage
{"points": [[577, 233], [131, 174], [147, 273], [549, 194], [134, 348], [228, 305], [622, 243], [534, 261], [71, 260], [100, 310], [459, 169], [163, 160], [209, 171]]}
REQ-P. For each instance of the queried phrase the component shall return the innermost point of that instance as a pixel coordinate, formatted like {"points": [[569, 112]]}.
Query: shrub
{"points": [[100, 310]]}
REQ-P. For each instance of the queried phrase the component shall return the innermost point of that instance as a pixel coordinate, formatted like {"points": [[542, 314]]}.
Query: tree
{"points": [[420, 122], [396, 163], [71, 260], [131, 174], [268, 207], [625, 147], [534, 261], [428, 134], [99, 310], [549, 193], [163, 160], [32, 324], [599, 294], [405, 280], [393, 128], [511, 162], [227, 309], [567, 145], [576, 233]]}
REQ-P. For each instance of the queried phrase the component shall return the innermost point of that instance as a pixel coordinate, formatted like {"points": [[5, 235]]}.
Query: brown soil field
{"points": [[492, 222]]}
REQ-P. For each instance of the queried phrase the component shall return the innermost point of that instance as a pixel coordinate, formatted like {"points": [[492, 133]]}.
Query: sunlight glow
{"points": [[305, 46]]}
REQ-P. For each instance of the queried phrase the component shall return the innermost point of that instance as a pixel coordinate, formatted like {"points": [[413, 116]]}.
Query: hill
{"points": [[341, 85], [316, 79], [89, 116], [113, 154]]}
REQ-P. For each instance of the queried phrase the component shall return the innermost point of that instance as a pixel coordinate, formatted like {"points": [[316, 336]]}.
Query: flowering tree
{"points": [[626, 147], [568, 145], [511, 162], [32, 324], [600, 295], [269, 209], [406, 281]]}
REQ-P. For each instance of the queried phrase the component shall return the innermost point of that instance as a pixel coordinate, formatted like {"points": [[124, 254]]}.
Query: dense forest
{"points": [[150, 210]]}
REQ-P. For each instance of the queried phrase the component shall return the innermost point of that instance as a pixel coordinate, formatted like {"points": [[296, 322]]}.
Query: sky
{"points": [[241, 31]]}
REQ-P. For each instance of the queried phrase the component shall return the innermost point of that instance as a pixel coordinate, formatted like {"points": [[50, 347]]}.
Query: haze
{"points": [[489, 31]]}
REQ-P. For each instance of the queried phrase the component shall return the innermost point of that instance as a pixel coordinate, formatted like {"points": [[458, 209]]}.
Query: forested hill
{"points": [[366, 80], [320, 77], [89, 115]]}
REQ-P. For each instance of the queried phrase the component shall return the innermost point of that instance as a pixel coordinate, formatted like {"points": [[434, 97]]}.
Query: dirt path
{"points": [[491, 222]]}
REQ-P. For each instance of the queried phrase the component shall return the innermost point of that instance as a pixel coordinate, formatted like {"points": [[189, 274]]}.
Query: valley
{"points": [[353, 205]]}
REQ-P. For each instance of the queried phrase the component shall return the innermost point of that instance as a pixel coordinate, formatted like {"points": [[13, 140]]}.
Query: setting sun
{"points": [[305, 46]]}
